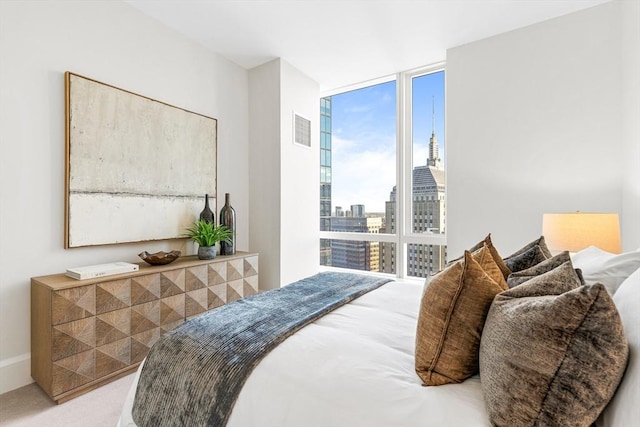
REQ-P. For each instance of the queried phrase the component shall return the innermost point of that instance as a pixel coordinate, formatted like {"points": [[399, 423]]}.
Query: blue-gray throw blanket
{"points": [[193, 374]]}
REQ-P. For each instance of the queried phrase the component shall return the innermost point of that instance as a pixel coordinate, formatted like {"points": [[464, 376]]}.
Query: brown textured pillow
{"points": [[552, 352], [494, 254], [519, 277], [451, 318]]}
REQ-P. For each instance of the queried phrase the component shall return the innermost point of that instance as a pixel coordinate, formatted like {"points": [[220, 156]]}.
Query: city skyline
{"points": [[364, 139]]}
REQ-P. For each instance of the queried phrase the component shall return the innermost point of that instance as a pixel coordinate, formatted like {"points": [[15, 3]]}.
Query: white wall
{"points": [[630, 55], [300, 178], [264, 163], [114, 43], [534, 125], [285, 178]]}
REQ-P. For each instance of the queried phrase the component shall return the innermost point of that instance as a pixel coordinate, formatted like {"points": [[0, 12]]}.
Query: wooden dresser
{"points": [[85, 333]]}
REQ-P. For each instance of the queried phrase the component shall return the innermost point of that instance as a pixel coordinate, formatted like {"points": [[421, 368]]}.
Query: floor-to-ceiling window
{"points": [[325, 179], [382, 184]]}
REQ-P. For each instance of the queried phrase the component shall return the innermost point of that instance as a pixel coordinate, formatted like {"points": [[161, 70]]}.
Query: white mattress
{"points": [[353, 367]]}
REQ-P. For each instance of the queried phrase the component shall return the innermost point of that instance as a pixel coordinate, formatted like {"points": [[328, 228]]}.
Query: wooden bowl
{"points": [[160, 258]]}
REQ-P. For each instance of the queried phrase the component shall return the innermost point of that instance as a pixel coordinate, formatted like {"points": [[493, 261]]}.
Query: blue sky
{"points": [[364, 139]]}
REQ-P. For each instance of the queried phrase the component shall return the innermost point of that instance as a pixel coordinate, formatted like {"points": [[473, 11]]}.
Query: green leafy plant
{"points": [[205, 233]]}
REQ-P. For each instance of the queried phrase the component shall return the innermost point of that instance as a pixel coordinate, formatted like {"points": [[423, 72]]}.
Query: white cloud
{"points": [[420, 154], [363, 173]]}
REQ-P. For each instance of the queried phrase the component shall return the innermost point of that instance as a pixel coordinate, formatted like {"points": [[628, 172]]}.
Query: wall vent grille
{"points": [[302, 130]]}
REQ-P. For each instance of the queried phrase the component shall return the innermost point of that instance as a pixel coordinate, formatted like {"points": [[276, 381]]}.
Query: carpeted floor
{"points": [[29, 406]]}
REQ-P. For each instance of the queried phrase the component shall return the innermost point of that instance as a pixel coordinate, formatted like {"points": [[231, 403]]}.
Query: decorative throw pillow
{"points": [[611, 270], [494, 254], [484, 256], [623, 410], [528, 256], [538, 242], [451, 318], [522, 276], [552, 352]]}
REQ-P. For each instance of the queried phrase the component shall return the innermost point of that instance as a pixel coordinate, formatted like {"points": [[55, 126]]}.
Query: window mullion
{"points": [[401, 183]]}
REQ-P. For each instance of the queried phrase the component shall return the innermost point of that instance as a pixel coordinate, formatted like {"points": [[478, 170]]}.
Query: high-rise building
{"points": [[358, 255], [357, 210], [428, 216], [325, 178]]}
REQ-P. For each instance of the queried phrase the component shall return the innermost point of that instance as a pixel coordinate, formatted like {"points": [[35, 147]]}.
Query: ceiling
{"points": [[343, 42]]}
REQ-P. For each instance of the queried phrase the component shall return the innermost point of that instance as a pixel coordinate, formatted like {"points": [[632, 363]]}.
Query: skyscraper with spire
{"points": [[434, 158], [428, 215]]}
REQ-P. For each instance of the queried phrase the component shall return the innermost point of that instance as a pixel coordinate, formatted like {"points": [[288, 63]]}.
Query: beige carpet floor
{"points": [[29, 406]]}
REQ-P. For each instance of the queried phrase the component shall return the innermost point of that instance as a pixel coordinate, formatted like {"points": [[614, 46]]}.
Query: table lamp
{"points": [[577, 230]]}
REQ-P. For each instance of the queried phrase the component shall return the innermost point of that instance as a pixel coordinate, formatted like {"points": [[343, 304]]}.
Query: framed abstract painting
{"points": [[137, 169]]}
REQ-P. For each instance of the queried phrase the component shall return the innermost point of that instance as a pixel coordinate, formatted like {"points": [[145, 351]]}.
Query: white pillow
{"points": [[611, 270], [624, 408]]}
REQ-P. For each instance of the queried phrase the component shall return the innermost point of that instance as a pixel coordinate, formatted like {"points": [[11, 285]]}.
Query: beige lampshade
{"points": [[575, 231]]}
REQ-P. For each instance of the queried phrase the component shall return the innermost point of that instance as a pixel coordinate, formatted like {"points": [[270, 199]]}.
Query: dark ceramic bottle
{"points": [[228, 218], [207, 214]]}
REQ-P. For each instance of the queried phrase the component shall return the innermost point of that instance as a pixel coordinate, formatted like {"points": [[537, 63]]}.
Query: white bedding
{"points": [[353, 367]]}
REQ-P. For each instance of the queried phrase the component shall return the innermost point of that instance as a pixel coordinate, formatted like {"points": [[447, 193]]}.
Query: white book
{"points": [[99, 270]]}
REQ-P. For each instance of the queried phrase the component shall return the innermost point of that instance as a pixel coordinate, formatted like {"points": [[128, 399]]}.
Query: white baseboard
{"points": [[15, 372]]}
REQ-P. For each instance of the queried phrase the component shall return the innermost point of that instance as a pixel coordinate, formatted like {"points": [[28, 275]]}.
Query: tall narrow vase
{"points": [[228, 218], [207, 214]]}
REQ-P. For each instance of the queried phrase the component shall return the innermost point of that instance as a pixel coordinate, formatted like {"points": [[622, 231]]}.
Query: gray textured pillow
{"points": [[528, 256], [552, 352], [524, 260], [538, 242], [522, 276]]}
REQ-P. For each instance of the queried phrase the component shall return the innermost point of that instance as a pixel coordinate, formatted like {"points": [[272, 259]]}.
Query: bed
{"points": [[355, 366]]}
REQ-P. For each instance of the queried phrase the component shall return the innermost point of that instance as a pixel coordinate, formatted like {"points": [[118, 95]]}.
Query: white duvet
{"points": [[353, 367]]}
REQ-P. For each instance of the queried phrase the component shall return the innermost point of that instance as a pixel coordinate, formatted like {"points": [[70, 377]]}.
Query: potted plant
{"points": [[206, 235]]}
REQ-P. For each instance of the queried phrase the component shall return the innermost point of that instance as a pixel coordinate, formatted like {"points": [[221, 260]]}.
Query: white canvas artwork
{"points": [[137, 169]]}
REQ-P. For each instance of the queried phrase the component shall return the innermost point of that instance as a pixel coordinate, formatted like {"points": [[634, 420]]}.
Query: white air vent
{"points": [[301, 130]]}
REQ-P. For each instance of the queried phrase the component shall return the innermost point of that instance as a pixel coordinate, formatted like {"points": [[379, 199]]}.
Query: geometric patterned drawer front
{"points": [[172, 283], [113, 326], [113, 295], [196, 302], [216, 296], [73, 337], [113, 357], [145, 288], [88, 332], [172, 310], [73, 304], [235, 290], [73, 371], [195, 278], [235, 270], [250, 286], [250, 266], [145, 316], [217, 273]]}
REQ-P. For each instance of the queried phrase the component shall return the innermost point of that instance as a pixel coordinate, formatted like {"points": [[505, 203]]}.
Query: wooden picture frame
{"points": [[137, 169]]}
